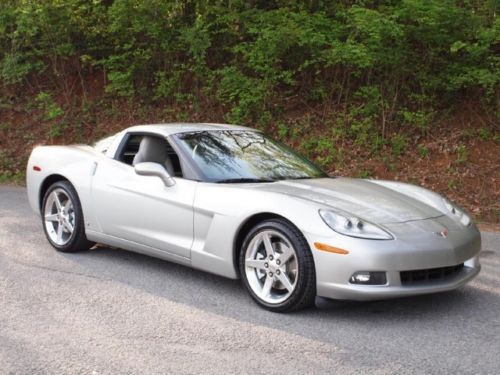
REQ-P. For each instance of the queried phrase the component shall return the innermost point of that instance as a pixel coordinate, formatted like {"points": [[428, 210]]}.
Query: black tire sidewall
{"points": [[305, 289]]}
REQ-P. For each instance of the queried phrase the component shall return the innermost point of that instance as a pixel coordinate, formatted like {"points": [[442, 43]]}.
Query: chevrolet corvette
{"points": [[229, 200]]}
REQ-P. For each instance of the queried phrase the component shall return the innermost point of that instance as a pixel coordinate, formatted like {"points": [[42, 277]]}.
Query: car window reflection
{"points": [[223, 155]]}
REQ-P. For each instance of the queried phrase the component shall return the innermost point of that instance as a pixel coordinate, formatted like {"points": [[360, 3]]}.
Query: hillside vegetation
{"points": [[391, 89]]}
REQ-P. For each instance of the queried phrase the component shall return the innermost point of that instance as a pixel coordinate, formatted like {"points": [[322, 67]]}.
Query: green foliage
{"points": [[423, 151], [282, 130], [398, 143], [381, 64], [246, 95], [324, 162], [50, 108], [10, 177], [14, 68], [365, 173], [419, 119], [166, 86], [324, 145], [9, 168], [321, 150], [56, 130], [485, 134]]}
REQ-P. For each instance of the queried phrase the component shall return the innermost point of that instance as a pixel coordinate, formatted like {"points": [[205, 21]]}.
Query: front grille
{"points": [[431, 274]]}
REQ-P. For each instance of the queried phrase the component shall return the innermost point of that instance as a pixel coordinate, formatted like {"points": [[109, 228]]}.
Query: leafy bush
{"points": [[383, 64], [51, 110]]}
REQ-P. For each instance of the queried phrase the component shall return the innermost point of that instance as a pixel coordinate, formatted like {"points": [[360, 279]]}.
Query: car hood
{"points": [[367, 200]]}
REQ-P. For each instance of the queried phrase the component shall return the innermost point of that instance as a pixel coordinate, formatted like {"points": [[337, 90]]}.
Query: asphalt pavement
{"points": [[109, 311]]}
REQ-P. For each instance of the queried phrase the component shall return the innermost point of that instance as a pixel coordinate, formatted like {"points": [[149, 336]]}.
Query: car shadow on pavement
{"points": [[228, 298]]}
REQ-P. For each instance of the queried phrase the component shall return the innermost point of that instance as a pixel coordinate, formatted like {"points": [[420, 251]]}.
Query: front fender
{"points": [[221, 211]]}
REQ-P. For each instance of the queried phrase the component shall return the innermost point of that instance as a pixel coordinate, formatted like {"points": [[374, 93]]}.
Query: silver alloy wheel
{"points": [[59, 217], [271, 266]]}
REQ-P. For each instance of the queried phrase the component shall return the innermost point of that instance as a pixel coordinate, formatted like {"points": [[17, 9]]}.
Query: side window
{"points": [[130, 149], [154, 149]]}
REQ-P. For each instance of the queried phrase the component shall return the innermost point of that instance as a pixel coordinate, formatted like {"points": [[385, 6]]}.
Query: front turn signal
{"points": [[330, 249]]}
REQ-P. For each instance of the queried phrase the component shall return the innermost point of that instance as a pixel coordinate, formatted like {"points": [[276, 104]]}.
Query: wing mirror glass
{"points": [[154, 169]]}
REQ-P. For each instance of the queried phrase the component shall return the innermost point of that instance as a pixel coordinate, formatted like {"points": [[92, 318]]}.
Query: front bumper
{"points": [[411, 250]]}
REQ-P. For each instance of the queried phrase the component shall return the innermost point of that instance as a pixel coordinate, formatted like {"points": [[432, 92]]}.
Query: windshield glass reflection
{"points": [[245, 156]]}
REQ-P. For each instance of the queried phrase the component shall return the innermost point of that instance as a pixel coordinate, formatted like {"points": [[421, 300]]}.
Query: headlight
{"points": [[457, 212], [353, 226]]}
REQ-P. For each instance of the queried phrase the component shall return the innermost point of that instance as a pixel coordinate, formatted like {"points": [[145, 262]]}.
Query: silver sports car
{"points": [[228, 200]]}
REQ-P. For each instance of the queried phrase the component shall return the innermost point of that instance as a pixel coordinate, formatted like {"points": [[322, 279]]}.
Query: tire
{"points": [[277, 267], [62, 218]]}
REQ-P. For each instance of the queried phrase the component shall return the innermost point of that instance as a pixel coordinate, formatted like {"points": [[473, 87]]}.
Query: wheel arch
{"points": [[48, 182], [245, 228]]}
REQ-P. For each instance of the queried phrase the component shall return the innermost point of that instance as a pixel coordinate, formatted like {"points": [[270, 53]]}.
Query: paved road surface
{"points": [[109, 311]]}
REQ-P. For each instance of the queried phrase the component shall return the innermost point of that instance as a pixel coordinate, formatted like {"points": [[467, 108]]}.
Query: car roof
{"points": [[184, 127]]}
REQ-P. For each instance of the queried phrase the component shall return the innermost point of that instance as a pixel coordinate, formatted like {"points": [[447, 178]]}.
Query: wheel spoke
{"points": [[256, 245], [57, 201], [266, 289], [286, 255], [271, 266], [285, 281], [59, 216], [52, 217], [67, 205], [59, 233], [268, 244], [69, 227], [255, 263]]}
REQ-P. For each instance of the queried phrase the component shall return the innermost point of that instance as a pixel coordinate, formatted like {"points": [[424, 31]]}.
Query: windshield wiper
{"points": [[242, 180]]}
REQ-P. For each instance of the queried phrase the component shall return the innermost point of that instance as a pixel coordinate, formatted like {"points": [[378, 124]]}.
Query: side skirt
{"points": [[136, 247]]}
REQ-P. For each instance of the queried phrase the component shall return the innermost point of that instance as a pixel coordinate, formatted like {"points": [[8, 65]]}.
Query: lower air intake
{"points": [[431, 274]]}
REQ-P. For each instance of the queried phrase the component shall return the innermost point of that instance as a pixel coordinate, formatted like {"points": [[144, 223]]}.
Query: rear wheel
{"points": [[63, 218], [277, 267]]}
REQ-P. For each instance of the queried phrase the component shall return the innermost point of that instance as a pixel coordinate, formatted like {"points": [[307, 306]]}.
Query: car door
{"points": [[142, 209]]}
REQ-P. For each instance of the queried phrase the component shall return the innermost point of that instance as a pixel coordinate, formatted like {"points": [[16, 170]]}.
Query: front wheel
{"points": [[63, 218], [277, 266]]}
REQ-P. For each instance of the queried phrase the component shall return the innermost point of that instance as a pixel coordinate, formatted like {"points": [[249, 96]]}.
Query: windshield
{"points": [[244, 156]]}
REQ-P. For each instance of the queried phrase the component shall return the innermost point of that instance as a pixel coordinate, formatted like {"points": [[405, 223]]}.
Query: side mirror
{"points": [[154, 169]]}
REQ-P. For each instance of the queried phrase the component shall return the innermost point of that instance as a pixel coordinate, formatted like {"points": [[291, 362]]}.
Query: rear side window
{"points": [[130, 148]]}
